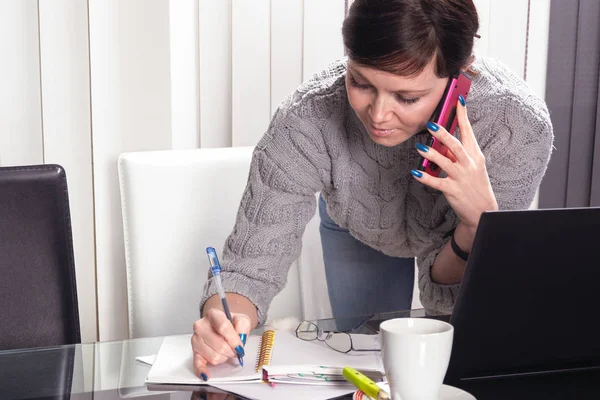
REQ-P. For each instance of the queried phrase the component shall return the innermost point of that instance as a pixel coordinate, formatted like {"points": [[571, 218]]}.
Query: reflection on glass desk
{"points": [[106, 370], [109, 370]]}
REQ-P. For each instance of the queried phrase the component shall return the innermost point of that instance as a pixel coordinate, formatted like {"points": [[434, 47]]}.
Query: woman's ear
{"points": [[470, 61]]}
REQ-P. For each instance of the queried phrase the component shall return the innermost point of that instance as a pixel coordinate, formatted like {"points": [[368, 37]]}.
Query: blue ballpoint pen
{"points": [[215, 268]]}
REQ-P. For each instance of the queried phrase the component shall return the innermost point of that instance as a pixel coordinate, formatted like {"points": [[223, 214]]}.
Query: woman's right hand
{"points": [[216, 340]]}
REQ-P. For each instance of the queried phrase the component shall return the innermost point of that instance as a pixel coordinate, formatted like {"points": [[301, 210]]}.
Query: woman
{"points": [[355, 133]]}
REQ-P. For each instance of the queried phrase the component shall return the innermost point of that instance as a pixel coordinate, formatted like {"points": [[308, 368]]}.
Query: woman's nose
{"points": [[379, 109]]}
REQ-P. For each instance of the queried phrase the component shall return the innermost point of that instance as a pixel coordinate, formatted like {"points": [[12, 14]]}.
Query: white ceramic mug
{"points": [[416, 353]]}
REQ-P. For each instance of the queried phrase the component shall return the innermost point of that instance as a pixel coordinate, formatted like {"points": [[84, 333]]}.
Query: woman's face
{"points": [[392, 107]]}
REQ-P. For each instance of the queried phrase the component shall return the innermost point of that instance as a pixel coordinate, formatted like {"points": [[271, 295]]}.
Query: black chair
{"points": [[38, 290]]}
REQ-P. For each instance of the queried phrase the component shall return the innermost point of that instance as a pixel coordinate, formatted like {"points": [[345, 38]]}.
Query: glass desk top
{"points": [[109, 370]]}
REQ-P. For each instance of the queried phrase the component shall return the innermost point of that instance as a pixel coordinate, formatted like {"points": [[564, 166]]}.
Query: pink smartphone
{"points": [[445, 115]]}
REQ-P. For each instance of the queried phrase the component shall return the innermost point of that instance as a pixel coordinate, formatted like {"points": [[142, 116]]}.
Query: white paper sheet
{"points": [[173, 365]]}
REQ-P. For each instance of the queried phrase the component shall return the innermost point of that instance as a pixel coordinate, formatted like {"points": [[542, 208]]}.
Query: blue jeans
{"points": [[360, 279]]}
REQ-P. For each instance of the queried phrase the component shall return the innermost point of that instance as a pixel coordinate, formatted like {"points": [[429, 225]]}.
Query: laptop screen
{"points": [[529, 300]]}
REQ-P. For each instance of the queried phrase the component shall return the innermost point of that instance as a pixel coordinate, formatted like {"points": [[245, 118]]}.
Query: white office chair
{"points": [[175, 204]]}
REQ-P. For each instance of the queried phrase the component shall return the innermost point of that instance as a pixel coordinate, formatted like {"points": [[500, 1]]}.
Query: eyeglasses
{"points": [[338, 341]]}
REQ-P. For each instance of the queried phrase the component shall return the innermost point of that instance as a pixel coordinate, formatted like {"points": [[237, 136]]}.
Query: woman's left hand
{"points": [[467, 186]]}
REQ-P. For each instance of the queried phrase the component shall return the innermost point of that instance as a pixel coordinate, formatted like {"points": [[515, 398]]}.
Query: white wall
{"points": [[84, 81]]}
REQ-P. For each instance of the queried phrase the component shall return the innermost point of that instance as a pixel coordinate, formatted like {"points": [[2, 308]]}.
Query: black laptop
{"points": [[529, 302], [528, 308]]}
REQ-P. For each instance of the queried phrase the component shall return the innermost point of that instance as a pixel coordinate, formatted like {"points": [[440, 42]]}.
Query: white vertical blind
{"points": [[106, 100], [508, 33], [65, 83], [537, 49], [537, 52], [482, 44], [131, 110], [251, 70], [215, 73], [185, 80], [161, 74], [20, 97], [322, 34], [286, 49]]}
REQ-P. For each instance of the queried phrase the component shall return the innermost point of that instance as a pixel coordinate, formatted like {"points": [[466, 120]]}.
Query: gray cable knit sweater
{"points": [[316, 143]]}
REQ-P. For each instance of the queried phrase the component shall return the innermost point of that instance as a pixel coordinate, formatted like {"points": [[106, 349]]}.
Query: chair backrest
{"points": [[38, 290], [175, 204]]}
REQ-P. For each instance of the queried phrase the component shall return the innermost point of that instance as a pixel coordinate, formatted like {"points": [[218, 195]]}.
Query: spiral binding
{"points": [[265, 351]]}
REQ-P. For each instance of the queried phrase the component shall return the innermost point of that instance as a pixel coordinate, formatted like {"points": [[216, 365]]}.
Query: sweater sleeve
{"points": [[286, 171], [517, 155]]}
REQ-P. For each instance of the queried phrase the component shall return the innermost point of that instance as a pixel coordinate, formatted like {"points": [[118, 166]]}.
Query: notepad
{"points": [[275, 356]]}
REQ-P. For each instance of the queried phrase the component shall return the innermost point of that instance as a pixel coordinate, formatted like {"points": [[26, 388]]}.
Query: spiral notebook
{"points": [[279, 355]]}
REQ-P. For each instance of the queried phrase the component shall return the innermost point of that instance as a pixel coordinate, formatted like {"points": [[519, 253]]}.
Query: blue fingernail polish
{"points": [[204, 376], [240, 351], [461, 99], [432, 127], [416, 173], [422, 147], [243, 338]]}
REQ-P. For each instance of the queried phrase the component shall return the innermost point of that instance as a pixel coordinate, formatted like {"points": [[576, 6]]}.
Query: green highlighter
{"points": [[363, 383]]}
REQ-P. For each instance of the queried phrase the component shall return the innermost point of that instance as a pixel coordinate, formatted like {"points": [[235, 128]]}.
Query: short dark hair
{"points": [[402, 36]]}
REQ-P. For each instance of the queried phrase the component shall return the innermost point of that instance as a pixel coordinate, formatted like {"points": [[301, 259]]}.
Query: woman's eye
{"points": [[405, 100], [357, 85], [399, 98]]}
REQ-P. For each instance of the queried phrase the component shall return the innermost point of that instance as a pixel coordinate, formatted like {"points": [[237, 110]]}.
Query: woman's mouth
{"points": [[381, 132]]}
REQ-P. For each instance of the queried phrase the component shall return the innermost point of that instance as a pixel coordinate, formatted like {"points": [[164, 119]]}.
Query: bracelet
{"points": [[463, 255]]}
